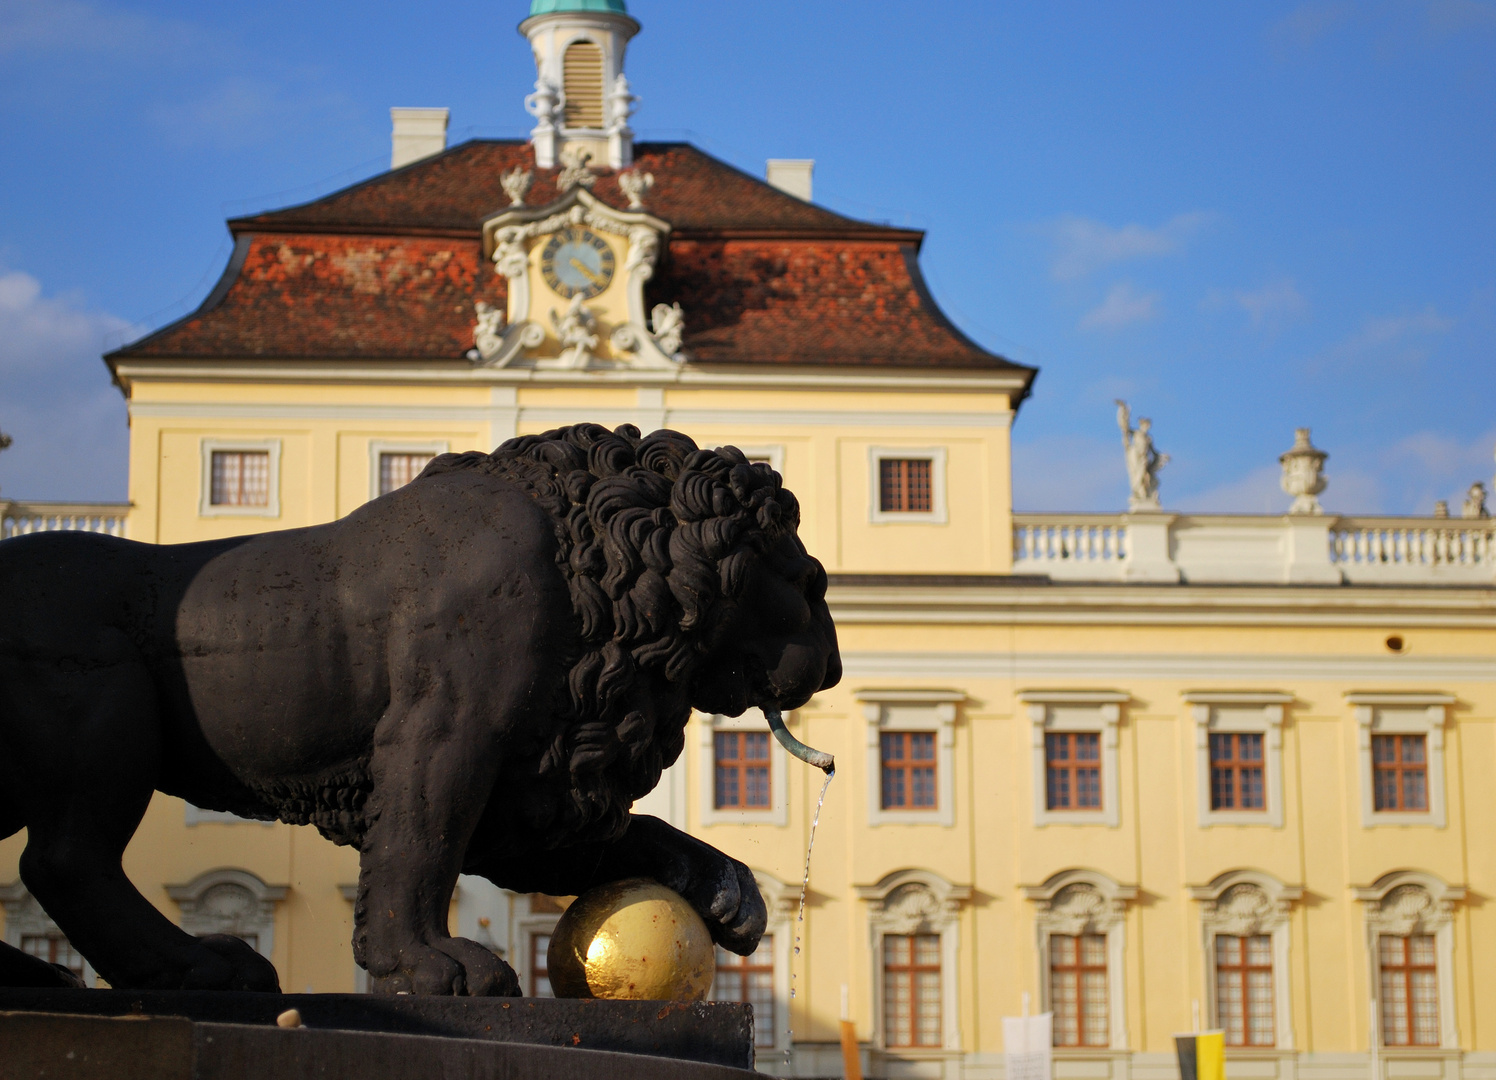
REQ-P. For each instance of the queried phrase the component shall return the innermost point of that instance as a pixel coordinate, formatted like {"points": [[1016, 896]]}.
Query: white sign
{"points": [[1028, 1046]]}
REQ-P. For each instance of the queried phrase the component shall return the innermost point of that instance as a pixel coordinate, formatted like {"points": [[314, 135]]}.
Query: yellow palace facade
{"points": [[1128, 765]]}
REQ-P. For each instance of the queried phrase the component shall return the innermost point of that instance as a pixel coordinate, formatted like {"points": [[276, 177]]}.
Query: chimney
{"points": [[791, 176], [418, 133]]}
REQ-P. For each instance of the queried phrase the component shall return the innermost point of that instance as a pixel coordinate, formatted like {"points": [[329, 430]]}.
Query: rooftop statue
{"points": [[1475, 502], [1143, 461], [477, 673]]}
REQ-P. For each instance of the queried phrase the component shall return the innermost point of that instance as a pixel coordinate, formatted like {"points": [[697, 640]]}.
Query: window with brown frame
{"points": [[751, 979], [240, 478], [397, 470], [904, 485], [540, 976], [54, 949], [741, 770], [1409, 989], [1244, 989], [1073, 770], [908, 780], [1399, 772], [912, 1014], [1078, 990], [1236, 772]]}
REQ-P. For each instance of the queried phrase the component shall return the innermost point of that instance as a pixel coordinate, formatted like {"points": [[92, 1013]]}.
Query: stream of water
{"points": [[789, 1028]]}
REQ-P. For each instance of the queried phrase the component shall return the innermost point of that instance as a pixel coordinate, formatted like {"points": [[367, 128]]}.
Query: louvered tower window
{"points": [[582, 69]]}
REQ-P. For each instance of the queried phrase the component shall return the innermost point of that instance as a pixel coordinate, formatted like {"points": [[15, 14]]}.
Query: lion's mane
{"points": [[654, 536]]}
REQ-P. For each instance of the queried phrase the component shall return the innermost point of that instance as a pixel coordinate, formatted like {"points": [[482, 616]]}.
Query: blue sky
{"points": [[1243, 218]]}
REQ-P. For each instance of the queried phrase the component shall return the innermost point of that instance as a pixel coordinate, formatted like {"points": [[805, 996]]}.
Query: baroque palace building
{"points": [[1122, 763]]}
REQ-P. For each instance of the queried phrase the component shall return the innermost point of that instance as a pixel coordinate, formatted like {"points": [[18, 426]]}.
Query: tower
{"points": [[581, 99]]}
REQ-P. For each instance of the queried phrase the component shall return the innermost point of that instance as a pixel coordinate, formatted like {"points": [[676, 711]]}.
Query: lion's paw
{"points": [[224, 962], [449, 967]]}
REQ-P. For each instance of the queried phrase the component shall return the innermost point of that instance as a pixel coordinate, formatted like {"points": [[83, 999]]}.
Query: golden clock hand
{"points": [[596, 279]]}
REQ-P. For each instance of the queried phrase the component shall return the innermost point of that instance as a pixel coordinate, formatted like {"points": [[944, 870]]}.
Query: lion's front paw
{"points": [[447, 968], [726, 896], [224, 962]]}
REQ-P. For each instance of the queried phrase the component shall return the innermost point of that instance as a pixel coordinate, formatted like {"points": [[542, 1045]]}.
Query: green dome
{"points": [[549, 7]]}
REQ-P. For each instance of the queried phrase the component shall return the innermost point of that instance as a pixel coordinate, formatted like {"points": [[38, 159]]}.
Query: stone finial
{"points": [[1303, 474], [636, 186], [1143, 461], [517, 183], [1441, 509], [1475, 502]]}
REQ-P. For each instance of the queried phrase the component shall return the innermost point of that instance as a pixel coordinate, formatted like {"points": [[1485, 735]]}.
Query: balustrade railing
{"points": [[20, 518], [1386, 542], [1041, 541]]}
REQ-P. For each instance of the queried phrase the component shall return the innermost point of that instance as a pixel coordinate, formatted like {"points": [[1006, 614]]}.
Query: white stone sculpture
{"points": [[575, 169], [488, 333], [546, 104], [1475, 502], [517, 183], [1303, 474], [636, 186], [1143, 461], [669, 327], [1441, 509], [576, 331]]}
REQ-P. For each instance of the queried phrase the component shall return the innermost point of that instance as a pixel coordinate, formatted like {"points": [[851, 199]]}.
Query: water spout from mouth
{"points": [[820, 759]]}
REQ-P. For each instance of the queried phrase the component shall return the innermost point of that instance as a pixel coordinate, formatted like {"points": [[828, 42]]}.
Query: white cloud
{"points": [[1124, 306], [1257, 492], [1083, 246], [1066, 473], [68, 422], [1275, 303], [1310, 22], [1401, 339], [1453, 16], [72, 26]]}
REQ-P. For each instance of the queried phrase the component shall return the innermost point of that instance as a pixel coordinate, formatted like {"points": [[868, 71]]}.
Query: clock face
{"points": [[577, 262]]}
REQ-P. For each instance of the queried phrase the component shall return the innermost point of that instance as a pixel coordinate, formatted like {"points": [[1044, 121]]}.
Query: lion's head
{"points": [[690, 588]]}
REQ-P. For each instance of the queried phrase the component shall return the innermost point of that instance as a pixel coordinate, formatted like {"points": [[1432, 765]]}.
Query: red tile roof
{"points": [[390, 269]]}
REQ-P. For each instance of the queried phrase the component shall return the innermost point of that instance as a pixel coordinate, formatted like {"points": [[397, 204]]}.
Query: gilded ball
{"points": [[634, 940]]}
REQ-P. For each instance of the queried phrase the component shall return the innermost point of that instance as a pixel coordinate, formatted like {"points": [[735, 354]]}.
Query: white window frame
{"points": [[272, 508], [434, 447], [1248, 713], [259, 919], [1093, 711], [783, 902], [24, 917], [936, 515], [774, 452], [1078, 902], [917, 902], [1414, 902], [526, 925], [1402, 714], [777, 813], [1247, 903], [912, 710]]}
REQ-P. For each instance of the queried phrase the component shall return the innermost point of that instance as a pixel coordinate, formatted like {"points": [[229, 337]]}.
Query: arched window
{"points": [[582, 79], [233, 902]]}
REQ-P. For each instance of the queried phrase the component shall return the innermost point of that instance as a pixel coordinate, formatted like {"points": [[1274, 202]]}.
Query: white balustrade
{"points": [[1259, 549], [19, 519], [1069, 545]]}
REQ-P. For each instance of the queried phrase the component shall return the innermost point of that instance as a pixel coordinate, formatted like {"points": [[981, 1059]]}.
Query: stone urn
{"points": [[1303, 474]]}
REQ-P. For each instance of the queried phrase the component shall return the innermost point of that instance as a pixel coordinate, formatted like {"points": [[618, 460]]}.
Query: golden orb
{"points": [[633, 940]]}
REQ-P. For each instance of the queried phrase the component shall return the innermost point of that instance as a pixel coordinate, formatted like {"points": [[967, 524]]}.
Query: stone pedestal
{"points": [[119, 1035], [1149, 557]]}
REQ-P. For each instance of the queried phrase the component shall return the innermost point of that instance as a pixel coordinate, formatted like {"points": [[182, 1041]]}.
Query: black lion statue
{"points": [[478, 673]]}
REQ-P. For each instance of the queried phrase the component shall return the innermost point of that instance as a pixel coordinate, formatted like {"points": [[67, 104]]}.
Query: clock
{"points": [[577, 262]]}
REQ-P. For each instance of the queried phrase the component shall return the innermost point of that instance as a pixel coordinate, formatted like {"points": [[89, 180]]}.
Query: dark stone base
{"points": [[228, 1036]]}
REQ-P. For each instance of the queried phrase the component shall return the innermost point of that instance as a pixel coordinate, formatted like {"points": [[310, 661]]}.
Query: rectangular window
{"points": [[397, 470], [1410, 990], [540, 976], [1077, 989], [741, 769], [908, 770], [1244, 989], [750, 979], [911, 990], [240, 478], [1073, 770], [904, 486], [1236, 776], [54, 949], [1399, 772]]}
